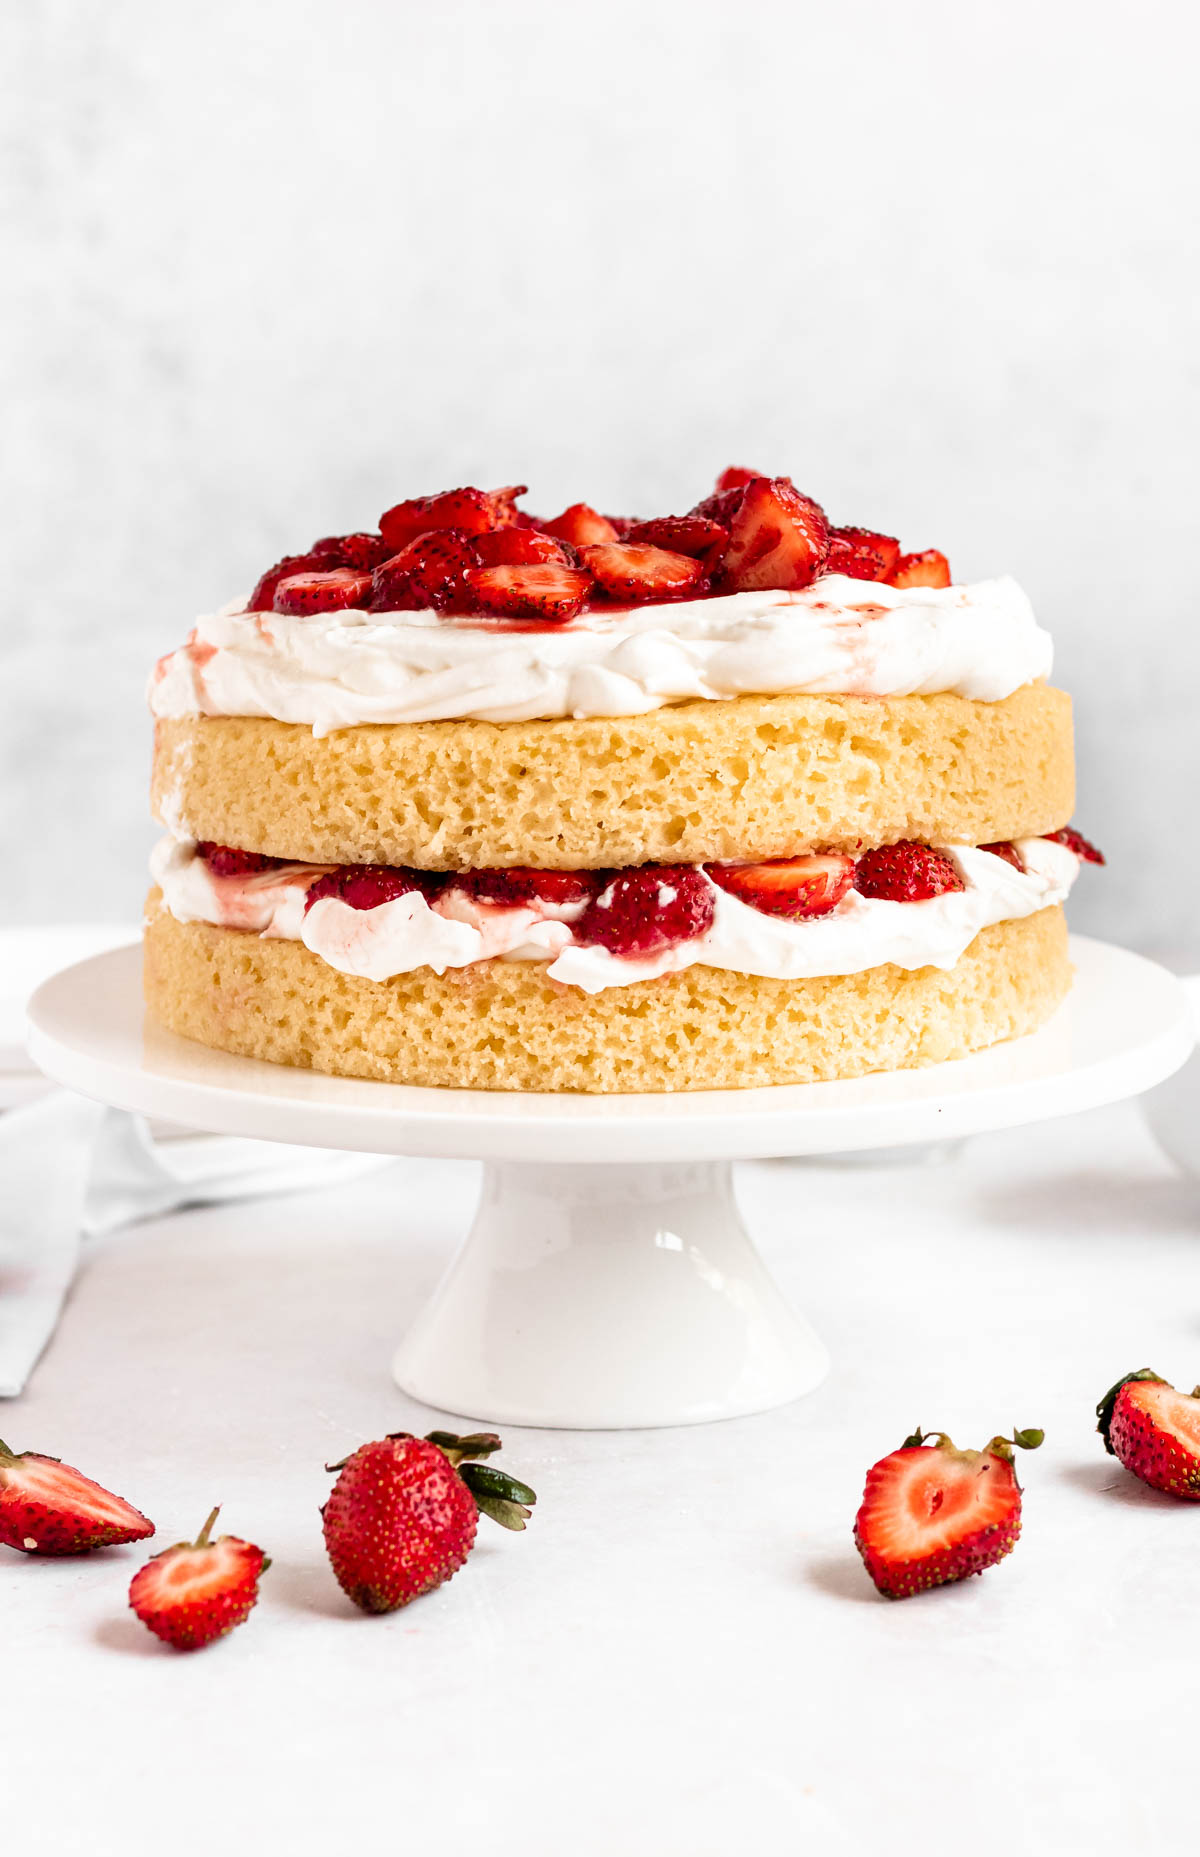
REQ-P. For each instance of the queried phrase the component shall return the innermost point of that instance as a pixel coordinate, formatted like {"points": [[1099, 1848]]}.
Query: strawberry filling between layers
{"points": [[791, 919]]}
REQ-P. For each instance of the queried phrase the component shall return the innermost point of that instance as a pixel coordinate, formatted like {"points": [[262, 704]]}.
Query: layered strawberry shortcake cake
{"points": [[700, 802]]}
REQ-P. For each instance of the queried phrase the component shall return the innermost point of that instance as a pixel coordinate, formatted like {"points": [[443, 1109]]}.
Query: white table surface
{"points": [[682, 1655]]}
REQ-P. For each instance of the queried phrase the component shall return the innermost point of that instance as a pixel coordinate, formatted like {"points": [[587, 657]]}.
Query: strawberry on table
{"points": [[932, 1514], [648, 909], [790, 887], [777, 538], [905, 873], [930, 568], [198, 1590], [540, 591], [48, 1507], [403, 1514], [635, 571], [1154, 1431]]}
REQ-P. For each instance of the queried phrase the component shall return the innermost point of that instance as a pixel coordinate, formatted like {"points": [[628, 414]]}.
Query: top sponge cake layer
{"points": [[754, 777]]}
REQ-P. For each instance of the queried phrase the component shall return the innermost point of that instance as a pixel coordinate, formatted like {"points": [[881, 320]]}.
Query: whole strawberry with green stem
{"points": [[48, 1507], [403, 1514], [932, 1513], [1154, 1431]]}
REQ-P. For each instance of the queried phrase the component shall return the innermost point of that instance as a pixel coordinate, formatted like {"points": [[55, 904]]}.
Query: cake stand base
{"points": [[608, 1279], [612, 1296]]}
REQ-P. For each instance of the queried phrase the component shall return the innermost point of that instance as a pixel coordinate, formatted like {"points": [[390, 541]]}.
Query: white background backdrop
{"points": [[276, 264]]}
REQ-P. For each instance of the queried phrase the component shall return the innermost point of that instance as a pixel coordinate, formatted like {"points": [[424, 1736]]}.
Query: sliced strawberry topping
{"points": [[683, 535], [1008, 851], [647, 910], [554, 594], [519, 885], [429, 572], [336, 591], [227, 861], [928, 569], [49, 1508], [634, 572], [366, 886], [361, 551], [520, 547], [791, 887], [734, 478], [862, 554], [777, 538], [905, 873], [581, 525], [1076, 842], [473, 511], [263, 598]]}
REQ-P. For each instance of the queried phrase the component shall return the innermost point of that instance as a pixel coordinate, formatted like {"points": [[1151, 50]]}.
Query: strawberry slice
{"points": [[335, 591], [582, 526], [861, 554], [47, 1507], [683, 535], [734, 478], [262, 600], [520, 885], [227, 861], [931, 1514], [789, 887], [198, 1590], [429, 573], [905, 873], [552, 594], [470, 510], [1076, 842], [928, 569], [648, 909], [1154, 1431], [362, 551], [777, 538], [366, 886], [1008, 851], [635, 572], [520, 547]]}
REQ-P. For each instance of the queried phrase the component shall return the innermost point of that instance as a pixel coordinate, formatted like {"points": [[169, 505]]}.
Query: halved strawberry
{"points": [[634, 572], [930, 568], [366, 886], [648, 909], [470, 510], [198, 1590], [777, 538], [905, 873], [1008, 851], [519, 547], [581, 525], [1076, 842], [790, 887], [362, 551], [518, 885], [429, 572], [47, 1507], [1154, 1431], [337, 590], [228, 861], [862, 554], [684, 535], [263, 598], [931, 1514], [550, 593]]}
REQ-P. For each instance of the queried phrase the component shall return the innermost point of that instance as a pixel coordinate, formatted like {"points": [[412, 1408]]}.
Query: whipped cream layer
{"points": [[454, 930], [838, 637]]}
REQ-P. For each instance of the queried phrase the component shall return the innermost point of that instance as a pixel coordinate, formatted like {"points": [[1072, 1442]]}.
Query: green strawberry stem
{"points": [[1026, 1440], [201, 1540], [503, 1498], [458, 1450]]}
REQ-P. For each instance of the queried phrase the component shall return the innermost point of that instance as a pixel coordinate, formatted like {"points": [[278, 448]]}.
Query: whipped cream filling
{"points": [[838, 637], [454, 930]]}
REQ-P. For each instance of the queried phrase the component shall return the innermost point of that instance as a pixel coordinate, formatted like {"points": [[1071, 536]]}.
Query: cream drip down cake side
{"points": [[698, 802]]}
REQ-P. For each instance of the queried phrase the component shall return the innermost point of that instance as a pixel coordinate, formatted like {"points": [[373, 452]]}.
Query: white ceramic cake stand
{"points": [[608, 1279]]}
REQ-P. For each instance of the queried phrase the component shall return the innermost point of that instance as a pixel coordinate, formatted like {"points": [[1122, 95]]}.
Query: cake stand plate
{"points": [[608, 1279]]}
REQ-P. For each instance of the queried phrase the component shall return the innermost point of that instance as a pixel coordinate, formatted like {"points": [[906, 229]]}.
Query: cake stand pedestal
{"points": [[608, 1279]]}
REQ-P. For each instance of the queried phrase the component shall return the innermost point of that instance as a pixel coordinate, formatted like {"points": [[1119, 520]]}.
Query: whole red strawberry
{"points": [[198, 1590], [46, 1507], [1154, 1431], [931, 1513], [402, 1516]]}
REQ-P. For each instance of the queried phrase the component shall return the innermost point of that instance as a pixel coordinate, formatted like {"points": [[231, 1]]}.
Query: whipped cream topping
{"points": [[455, 930], [838, 637]]}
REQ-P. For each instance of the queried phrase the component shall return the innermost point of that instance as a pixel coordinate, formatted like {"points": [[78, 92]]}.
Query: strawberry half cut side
{"points": [[198, 1590], [932, 1514], [790, 887], [1154, 1431], [50, 1508]]}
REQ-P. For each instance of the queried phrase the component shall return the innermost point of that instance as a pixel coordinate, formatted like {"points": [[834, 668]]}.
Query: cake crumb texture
{"points": [[755, 777], [504, 1026]]}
